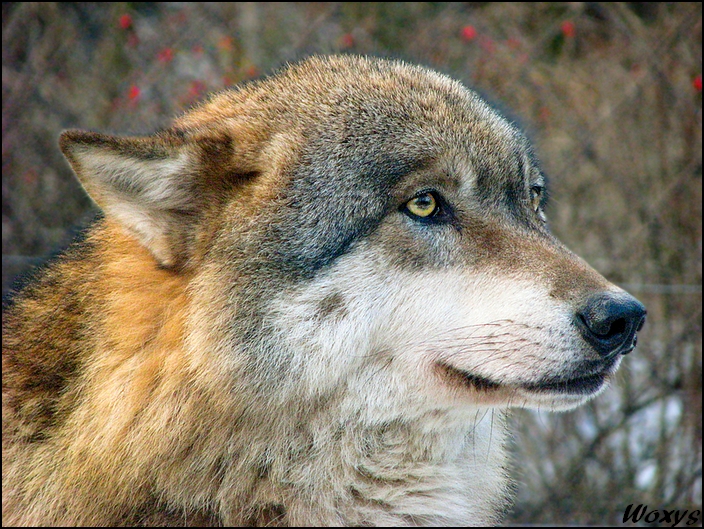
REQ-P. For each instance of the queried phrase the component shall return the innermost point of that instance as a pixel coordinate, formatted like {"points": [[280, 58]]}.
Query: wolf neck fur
{"points": [[249, 452]]}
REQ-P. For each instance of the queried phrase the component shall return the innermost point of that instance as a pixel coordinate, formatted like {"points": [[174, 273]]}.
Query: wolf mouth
{"points": [[585, 385], [581, 385]]}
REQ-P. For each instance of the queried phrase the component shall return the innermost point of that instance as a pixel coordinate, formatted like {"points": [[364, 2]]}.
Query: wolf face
{"points": [[315, 291]]}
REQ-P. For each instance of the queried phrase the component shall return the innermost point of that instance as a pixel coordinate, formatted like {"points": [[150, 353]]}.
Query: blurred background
{"points": [[610, 93]]}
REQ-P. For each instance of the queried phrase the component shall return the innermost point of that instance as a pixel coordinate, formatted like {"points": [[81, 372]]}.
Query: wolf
{"points": [[312, 300]]}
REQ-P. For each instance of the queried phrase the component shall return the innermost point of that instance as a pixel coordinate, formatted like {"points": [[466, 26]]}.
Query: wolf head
{"points": [[368, 233]]}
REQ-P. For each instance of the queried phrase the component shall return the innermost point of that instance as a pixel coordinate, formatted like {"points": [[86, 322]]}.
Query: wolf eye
{"points": [[423, 206], [536, 196]]}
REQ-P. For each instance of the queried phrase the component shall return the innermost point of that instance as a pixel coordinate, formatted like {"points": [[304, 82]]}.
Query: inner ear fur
{"points": [[155, 186]]}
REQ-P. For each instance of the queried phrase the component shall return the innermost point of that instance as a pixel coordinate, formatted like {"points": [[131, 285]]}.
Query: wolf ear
{"points": [[149, 184]]}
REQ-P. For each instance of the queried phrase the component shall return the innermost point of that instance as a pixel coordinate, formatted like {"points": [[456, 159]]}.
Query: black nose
{"points": [[609, 322]]}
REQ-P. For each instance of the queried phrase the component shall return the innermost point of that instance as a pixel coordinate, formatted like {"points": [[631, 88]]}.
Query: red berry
{"points": [[125, 21], [468, 33], [697, 83], [568, 29], [134, 93]]}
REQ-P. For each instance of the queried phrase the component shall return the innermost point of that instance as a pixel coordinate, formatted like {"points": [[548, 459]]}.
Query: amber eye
{"points": [[536, 195], [423, 205]]}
